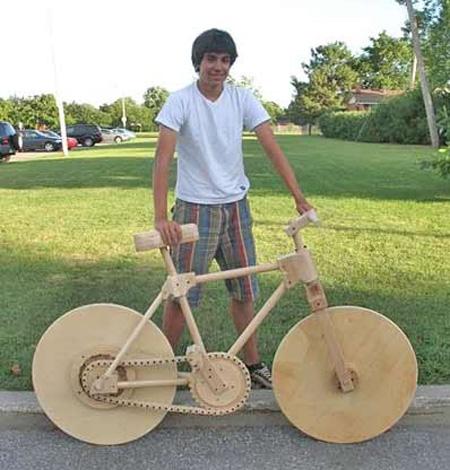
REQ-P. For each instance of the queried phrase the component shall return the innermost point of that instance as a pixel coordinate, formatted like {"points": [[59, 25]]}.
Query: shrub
{"points": [[440, 162], [343, 125], [400, 120]]}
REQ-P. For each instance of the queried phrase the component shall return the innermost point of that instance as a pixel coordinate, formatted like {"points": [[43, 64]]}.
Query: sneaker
{"points": [[260, 375]]}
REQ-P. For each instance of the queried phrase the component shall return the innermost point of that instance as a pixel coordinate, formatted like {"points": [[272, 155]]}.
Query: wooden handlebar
{"points": [[146, 241], [294, 225]]}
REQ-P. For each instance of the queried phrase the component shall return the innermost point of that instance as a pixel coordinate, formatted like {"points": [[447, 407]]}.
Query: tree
{"points": [[154, 99], [85, 113], [5, 110], [385, 63], [248, 83], [437, 43], [137, 115], [332, 75], [302, 109], [423, 76], [274, 109], [32, 112]]}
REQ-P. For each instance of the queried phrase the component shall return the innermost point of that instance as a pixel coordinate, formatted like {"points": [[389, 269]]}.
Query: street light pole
{"points": [[59, 103], [124, 116]]}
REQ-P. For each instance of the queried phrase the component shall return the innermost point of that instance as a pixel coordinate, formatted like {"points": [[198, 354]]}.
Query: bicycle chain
{"points": [[205, 411]]}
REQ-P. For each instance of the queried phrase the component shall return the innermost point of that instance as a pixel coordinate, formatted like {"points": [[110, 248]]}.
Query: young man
{"points": [[204, 121]]}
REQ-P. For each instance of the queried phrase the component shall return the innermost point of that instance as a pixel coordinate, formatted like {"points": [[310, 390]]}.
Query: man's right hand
{"points": [[170, 231]]}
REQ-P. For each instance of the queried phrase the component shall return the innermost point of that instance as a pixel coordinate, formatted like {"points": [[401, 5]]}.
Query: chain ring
{"points": [[234, 373]]}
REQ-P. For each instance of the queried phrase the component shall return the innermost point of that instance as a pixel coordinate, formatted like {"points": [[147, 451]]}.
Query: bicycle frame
{"points": [[296, 267]]}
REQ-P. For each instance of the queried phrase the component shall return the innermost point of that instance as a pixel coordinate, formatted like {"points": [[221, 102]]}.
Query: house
{"points": [[364, 99]]}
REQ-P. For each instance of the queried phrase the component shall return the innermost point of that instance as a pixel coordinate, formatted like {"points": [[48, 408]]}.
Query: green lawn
{"points": [[67, 228]]}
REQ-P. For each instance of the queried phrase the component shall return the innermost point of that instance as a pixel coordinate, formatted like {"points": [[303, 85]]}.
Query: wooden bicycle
{"points": [[105, 374]]}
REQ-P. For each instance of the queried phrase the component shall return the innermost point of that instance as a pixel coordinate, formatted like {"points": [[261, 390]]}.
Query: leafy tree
{"points": [[275, 110], [331, 73], [85, 113], [137, 115], [5, 110], [302, 110], [386, 63], [437, 44], [32, 112], [154, 99], [433, 20]]}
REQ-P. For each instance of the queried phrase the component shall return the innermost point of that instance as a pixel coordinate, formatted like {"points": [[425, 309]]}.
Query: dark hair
{"points": [[213, 40]]}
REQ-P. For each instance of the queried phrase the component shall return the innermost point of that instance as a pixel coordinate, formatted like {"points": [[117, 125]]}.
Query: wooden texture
{"points": [[151, 240], [306, 387], [100, 327]]}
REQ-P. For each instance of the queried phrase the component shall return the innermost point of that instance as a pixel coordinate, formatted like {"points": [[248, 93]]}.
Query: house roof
{"points": [[367, 96]]}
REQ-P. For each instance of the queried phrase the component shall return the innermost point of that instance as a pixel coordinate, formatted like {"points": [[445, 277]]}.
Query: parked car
{"points": [[125, 133], [9, 141], [109, 135], [86, 134], [71, 142], [36, 140]]}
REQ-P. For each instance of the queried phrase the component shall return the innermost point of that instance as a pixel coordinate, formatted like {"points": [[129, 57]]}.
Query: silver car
{"points": [[110, 136], [125, 133]]}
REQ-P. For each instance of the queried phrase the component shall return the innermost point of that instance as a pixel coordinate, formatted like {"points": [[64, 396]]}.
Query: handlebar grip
{"points": [[294, 225], [313, 217]]}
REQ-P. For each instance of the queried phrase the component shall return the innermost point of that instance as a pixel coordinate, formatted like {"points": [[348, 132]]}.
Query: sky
{"points": [[102, 50]]}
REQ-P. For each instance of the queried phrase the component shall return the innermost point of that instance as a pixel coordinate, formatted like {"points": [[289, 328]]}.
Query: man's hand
{"points": [[170, 231], [302, 205]]}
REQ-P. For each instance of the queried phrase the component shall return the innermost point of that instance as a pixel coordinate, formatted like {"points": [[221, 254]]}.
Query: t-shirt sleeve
{"points": [[171, 114], [254, 112]]}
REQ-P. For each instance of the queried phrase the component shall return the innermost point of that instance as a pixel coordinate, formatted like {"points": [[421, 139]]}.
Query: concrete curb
{"points": [[427, 398]]}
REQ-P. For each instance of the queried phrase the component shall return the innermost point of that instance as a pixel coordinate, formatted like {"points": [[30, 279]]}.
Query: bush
{"points": [[440, 162], [400, 120], [343, 125]]}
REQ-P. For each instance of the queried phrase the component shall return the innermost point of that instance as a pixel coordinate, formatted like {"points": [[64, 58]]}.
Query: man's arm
{"points": [[170, 231], [281, 164]]}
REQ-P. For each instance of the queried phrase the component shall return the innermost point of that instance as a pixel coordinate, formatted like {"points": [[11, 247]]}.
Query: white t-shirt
{"points": [[210, 161]]}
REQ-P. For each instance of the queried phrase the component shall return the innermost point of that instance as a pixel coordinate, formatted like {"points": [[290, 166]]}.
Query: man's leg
{"points": [[173, 322]]}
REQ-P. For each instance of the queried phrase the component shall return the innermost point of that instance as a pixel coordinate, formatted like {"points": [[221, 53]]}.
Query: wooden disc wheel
{"points": [[91, 333], [384, 368]]}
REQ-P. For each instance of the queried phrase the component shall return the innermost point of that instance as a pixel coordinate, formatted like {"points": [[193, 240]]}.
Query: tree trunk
{"points": [[413, 72], [423, 77]]}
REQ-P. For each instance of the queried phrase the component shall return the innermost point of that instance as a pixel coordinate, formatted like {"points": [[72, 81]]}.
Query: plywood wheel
{"points": [[99, 331], [378, 353]]}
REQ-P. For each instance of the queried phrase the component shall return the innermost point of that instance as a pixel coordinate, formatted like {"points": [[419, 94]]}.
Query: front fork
{"points": [[300, 267]]}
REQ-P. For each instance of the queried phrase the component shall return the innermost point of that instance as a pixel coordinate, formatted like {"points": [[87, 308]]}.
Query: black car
{"points": [[9, 141], [86, 134], [35, 140]]}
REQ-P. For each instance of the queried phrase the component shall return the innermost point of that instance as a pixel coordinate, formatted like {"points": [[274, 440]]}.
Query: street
{"points": [[30, 441]]}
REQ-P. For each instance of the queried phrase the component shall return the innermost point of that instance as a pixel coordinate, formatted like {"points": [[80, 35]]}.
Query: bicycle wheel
{"points": [[306, 387], [98, 332]]}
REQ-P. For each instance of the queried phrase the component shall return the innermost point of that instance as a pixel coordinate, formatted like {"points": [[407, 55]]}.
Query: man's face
{"points": [[214, 68]]}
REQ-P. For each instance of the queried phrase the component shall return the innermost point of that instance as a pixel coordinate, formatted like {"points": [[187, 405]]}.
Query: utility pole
{"points": [[423, 77]]}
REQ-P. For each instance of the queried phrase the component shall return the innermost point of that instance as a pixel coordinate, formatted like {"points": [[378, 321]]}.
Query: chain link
{"points": [[194, 410]]}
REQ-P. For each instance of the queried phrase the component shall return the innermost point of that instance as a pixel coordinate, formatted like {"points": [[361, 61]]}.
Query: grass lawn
{"points": [[67, 228]]}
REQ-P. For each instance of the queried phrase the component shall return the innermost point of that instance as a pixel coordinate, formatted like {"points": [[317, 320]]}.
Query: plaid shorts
{"points": [[225, 234]]}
